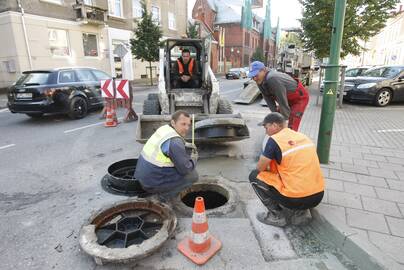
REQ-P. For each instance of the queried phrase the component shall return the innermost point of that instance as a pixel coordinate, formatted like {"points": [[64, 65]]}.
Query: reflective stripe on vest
{"points": [[152, 150], [299, 174], [181, 66]]}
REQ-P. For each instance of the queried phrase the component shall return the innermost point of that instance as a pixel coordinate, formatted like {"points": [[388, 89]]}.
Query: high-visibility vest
{"points": [[181, 66], [152, 150], [299, 174]]}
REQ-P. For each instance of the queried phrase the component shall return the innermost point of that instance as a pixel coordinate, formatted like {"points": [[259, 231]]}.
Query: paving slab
{"points": [[344, 199], [367, 220], [396, 226], [381, 206], [359, 189], [392, 244]]}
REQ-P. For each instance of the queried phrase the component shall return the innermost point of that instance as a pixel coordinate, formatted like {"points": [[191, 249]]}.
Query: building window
{"points": [[171, 21], [57, 2], [155, 14], [58, 42], [115, 8], [137, 9], [90, 45], [88, 2]]}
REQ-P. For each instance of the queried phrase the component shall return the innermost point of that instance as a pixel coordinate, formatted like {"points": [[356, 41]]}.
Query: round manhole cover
{"points": [[120, 179], [127, 231]]}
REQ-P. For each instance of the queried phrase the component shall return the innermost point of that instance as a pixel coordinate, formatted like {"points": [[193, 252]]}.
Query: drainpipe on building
{"points": [[25, 34]]}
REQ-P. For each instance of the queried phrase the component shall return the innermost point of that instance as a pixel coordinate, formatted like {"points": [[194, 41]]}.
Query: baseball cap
{"points": [[273, 117], [255, 67]]}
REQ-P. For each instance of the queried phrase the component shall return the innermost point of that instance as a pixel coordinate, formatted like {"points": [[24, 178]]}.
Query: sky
{"points": [[289, 11]]}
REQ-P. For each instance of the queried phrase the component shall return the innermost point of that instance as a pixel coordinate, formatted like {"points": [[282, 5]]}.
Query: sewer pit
{"points": [[120, 179], [127, 231], [219, 199]]}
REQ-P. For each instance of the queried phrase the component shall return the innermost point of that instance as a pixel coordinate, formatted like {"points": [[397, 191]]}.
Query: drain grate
{"points": [[129, 228], [213, 199]]}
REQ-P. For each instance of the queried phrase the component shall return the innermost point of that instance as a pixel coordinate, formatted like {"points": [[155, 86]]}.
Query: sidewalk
{"points": [[3, 100], [364, 196]]}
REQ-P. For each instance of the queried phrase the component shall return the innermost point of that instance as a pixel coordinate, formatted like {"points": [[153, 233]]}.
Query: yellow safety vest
{"points": [[152, 149], [299, 174]]}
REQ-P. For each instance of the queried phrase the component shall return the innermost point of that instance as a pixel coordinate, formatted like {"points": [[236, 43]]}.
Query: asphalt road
{"points": [[50, 171]]}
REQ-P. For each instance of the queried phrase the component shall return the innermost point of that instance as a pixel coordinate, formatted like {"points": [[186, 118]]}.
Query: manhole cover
{"points": [[127, 231], [219, 199], [120, 179]]}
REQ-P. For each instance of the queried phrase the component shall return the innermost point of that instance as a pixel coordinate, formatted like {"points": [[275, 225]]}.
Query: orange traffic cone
{"points": [[109, 120], [201, 246]]}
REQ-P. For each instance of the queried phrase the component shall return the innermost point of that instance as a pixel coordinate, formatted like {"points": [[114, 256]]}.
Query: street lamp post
{"points": [[331, 84]]}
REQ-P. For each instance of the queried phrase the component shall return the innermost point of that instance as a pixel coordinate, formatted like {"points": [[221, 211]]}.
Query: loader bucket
{"points": [[249, 94], [208, 128]]}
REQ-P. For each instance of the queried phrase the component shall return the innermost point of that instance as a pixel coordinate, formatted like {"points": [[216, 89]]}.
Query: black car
{"points": [[234, 73], [379, 86], [72, 91]]}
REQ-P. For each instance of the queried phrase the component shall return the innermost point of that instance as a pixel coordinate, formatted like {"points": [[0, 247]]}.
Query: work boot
{"points": [[273, 217], [300, 217]]}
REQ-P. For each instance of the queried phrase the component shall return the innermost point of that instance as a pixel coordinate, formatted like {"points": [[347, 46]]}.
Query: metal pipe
{"points": [[25, 34]]}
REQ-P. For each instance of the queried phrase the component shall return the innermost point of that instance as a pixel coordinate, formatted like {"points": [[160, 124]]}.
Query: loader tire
{"points": [[151, 107], [224, 107], [153, 96]]}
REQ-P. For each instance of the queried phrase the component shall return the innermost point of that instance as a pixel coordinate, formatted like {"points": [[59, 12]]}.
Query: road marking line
{"points": [[390, 130], [4, 110], [6, 146], [83, 127]]}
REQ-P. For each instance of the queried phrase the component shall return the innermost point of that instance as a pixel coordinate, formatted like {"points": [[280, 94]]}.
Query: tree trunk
{"points": [[151, 74]]}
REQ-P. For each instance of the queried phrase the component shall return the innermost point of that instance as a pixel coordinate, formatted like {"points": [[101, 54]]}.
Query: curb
{"points": [[356, 247]]}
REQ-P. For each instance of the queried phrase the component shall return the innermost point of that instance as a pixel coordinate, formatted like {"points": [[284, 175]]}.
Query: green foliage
{"points": [[292, 38], [363, 19], [258, 55], [192, 31]]}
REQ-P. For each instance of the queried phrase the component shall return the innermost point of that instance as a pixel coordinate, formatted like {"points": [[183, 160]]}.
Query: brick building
{"points": [[224, 16]]}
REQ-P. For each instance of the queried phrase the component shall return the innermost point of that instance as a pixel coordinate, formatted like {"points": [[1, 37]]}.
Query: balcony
{"points": [[90, 14]]}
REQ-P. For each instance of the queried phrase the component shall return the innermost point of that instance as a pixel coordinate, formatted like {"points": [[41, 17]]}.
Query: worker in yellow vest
{"points": [[288, 179], [165, 167], [186, 74]]}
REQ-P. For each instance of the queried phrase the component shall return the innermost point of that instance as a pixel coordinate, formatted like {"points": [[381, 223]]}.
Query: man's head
{"points": [[257, 71], [181, 122], [273, 123], [186, 56]]}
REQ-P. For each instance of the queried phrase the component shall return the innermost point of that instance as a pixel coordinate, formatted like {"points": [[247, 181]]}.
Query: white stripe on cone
{"points": [[200, 238], [199, 218]]}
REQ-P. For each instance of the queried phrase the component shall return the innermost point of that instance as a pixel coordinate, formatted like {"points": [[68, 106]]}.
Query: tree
{"points": [[292, 38], [258, 55], [363, 19], [146, 44], [192, 31]]}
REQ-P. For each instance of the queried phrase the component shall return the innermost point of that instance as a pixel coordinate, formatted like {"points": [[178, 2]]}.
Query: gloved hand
{"points": [[190, 145], [194, 155]]}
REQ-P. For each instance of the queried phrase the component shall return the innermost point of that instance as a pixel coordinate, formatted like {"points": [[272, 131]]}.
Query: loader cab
{"points": [[174, 51]]}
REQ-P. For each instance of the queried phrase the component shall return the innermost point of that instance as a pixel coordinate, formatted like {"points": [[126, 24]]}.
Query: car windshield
{"points": [[234, 70], [34, 78], [385, 72]]}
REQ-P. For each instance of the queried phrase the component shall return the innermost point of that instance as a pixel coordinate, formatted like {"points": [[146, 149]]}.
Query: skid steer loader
{"points": [[214, 118]]}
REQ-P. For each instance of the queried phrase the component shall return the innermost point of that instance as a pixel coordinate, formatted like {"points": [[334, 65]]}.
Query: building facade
{"points": [[42, 34]]}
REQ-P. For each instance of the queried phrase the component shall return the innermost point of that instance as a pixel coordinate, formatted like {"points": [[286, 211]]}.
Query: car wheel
{"points": [[151, 107], [383, 97], [153, 96], [78, 108], [35, 115], [224, 106]]}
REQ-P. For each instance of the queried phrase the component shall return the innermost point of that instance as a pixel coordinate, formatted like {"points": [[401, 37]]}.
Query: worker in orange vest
{"points": [[288, 179], [186, 71]]}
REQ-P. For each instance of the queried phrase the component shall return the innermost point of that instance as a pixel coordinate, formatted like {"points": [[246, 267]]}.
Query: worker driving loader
{"points": [[186, 71]]}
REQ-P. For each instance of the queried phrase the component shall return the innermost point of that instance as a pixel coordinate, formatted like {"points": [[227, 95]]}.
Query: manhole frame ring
{"points": [[228, 207], [102, 254]]}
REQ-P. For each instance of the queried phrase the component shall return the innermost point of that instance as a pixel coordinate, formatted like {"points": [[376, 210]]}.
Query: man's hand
{"points": [[194, 155], [190, 145], [185, 78]]}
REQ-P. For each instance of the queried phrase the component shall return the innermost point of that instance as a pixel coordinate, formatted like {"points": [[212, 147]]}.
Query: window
{"points": [[100, 75], [58, 2], [58, 42], [156, 14], [67, 76], [33, 78], [115, 8], [88, 2], [137, 9], [90, 45], [171, 21], [85, 75]]}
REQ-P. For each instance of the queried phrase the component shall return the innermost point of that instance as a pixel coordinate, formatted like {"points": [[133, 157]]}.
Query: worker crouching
{"points": [[288, 179], [165, 167]]}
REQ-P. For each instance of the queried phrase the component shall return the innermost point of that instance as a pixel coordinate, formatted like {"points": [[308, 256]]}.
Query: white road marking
{"points": [[390, 130], [6, 146], [84, 127], [4, 110]]}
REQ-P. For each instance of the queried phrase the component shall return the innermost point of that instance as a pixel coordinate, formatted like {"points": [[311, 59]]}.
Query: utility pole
{"points": [[331, 84]]}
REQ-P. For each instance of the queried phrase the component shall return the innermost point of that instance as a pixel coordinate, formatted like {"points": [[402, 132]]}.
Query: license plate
{"points": [[24, 95]]}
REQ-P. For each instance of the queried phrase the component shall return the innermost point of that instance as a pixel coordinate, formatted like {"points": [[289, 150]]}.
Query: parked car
{"points": [[355, 72], [380, 86], [72, 91], [236, 73]]}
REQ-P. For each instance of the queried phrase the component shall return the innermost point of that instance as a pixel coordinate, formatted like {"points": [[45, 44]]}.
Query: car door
{"points": [[398, 86], [88, 85]]}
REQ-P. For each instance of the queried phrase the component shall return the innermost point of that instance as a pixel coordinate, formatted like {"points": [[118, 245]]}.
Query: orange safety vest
{"points": [[181, 66], [299, 174]]}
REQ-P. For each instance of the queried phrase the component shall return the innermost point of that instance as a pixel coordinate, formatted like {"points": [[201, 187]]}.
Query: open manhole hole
{"points": [[120, 179], [219, 199], [127, 231]]}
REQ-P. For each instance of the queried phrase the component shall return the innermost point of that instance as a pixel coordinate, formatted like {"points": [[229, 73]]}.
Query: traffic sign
{"points": [[107, 89], [122, 89]]}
